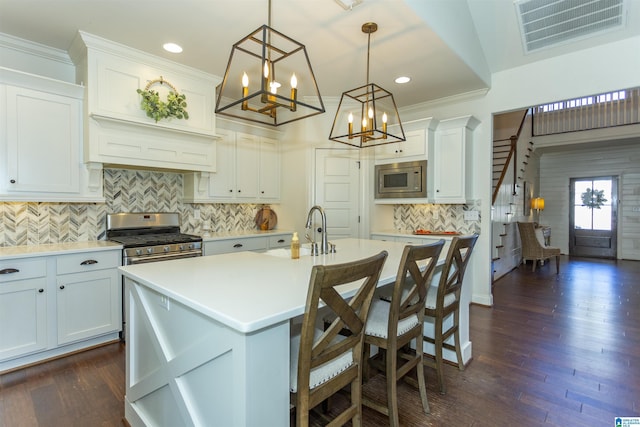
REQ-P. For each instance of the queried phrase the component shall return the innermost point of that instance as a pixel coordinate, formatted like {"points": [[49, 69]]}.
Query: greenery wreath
{"points": [[593, 199], [157, 109]]}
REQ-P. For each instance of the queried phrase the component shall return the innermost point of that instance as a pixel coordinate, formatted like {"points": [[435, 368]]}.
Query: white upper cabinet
{"points": [[269, 180], [450, 161], [41, 141], [247, 164], [248, 171], [418, 133], [119, 131]]}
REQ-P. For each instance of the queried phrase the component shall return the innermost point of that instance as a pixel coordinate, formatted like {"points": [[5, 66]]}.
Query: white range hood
{"points": [[117, 130]]}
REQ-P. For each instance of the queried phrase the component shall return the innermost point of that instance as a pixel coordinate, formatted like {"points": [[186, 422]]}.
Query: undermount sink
{"points": [[286, 252]]}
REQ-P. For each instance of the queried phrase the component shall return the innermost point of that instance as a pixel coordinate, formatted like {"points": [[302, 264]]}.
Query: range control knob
{"points": [[166, 249], [138, 251], [181, 247], [149, 250]]}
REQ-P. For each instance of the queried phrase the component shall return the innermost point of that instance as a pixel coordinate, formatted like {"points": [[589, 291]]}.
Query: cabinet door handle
{"points": [[40, 290], [13, 181], [280, 240], [89, 262], [237, 245], [9, 271], [61, 286]]}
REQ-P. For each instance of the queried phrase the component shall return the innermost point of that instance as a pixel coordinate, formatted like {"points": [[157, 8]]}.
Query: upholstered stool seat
{"points": [[320, 374]]}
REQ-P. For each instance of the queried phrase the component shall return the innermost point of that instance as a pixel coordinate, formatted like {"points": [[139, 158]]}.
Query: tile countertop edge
{"points": [[240, 234], [25, 251]]}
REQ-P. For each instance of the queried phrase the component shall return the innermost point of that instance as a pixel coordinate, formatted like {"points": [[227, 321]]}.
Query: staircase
{"points": [[508, 166]]}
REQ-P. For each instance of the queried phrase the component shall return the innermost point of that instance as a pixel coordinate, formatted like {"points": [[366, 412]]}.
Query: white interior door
{"points": [[337, 184]]}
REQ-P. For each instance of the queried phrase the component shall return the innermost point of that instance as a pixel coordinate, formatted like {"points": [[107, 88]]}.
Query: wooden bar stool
{"points": [[393, 325], [324, 362], [443, 300]]}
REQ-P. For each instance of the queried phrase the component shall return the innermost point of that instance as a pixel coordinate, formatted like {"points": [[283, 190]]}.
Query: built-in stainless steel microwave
{"points": [[401, 180]]}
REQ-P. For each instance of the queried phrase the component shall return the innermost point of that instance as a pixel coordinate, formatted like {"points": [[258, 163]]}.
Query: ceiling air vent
{"points": [[547, 23]]}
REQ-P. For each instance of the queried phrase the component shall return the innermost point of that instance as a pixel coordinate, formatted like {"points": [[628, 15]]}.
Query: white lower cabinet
{"points": [[23, 307], [238, 244], [247, 243], [411, 239], [56, 304], [88, 297]]}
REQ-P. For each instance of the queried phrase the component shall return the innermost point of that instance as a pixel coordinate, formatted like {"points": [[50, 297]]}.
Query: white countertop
{"points": [[248, 291], [25, 251]]}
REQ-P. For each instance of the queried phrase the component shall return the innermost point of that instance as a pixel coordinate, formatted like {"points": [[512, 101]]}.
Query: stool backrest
{"points": [[454, 268], [415, 273], [316, 349]]}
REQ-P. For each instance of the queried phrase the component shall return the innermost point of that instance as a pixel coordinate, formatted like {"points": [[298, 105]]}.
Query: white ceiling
{"points": [[447, 47]]}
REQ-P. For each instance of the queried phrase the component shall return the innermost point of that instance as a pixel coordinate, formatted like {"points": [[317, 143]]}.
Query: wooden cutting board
{"points": [[266, 219]]}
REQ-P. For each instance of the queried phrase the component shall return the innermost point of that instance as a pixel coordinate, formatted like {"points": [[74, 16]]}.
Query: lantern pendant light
{"points": [[367, 116], [251, 88]]}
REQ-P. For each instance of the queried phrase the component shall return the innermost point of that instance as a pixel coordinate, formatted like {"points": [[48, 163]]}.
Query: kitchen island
{"points": [[209, 336]]}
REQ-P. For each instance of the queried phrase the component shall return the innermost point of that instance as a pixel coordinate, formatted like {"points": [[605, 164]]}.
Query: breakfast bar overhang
{"points": [[208, 337]]}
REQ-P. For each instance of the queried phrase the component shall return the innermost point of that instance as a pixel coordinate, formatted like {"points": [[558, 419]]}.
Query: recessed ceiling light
{"points": [[403, 79], [172, 47]]}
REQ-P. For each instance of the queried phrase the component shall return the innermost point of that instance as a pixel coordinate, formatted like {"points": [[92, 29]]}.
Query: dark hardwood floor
{"points": [[554, 350]]}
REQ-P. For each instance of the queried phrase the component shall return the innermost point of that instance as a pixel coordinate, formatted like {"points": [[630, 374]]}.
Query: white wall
{"points": [[556, 170]]}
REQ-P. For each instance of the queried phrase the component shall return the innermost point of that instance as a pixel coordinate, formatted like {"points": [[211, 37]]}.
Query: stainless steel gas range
{"points": [[150, 237]]}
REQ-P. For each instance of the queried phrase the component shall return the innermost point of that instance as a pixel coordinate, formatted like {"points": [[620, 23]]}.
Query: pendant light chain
{"points": [[368, 54]]}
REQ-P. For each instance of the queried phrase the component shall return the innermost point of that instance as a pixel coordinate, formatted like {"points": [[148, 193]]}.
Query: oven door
{"points": [[160, 257]]}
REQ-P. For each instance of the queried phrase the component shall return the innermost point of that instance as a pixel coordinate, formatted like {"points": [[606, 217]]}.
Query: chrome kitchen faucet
{"points": [[324, 249]]}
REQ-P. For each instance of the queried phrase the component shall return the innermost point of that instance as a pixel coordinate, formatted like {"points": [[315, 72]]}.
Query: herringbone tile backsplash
{"points": [[435, 217], [149, 191]]}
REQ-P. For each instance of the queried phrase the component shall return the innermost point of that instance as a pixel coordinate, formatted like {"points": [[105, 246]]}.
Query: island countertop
{"points": [[248, 291]]}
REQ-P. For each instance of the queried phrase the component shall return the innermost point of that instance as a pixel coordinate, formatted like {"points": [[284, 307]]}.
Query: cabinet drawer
{"points": [[235, 245], [282, 241], [88, 261], [20, 269]]}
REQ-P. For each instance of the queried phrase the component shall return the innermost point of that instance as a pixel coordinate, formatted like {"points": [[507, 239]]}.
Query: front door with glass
{"points": [[593, 217]]}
